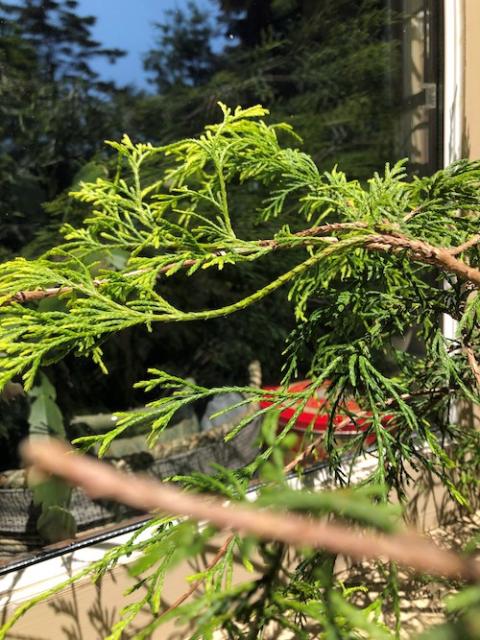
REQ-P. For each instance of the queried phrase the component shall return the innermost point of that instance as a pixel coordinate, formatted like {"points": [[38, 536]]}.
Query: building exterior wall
{"points": [[470, 413], [471, 126]]}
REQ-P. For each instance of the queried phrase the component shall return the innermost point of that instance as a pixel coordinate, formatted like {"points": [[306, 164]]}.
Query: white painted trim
{"points": [[22, 585], [453, 80], [453, 93]]}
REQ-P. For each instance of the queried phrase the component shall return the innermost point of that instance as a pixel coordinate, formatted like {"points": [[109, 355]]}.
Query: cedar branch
{"points": [[416, 250], [299, 458]]}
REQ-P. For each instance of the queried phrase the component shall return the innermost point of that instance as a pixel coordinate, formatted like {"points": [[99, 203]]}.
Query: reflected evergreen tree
{"points": [[54, 109], [184, 54], [327, 68], [61, 39]]}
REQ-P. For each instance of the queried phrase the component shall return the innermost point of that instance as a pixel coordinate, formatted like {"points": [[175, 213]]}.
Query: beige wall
{"points": [[471, 122], [84, 610], [472, 79]]}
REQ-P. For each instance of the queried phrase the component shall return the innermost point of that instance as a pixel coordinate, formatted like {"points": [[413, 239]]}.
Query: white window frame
{"points": [[453, 103]]}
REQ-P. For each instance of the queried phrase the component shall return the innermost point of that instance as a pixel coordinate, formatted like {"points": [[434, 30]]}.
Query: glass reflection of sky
{"points": [[127, 24]]}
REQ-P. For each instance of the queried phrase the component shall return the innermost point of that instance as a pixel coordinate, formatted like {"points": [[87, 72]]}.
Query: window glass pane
{"points": [[357, 79]]}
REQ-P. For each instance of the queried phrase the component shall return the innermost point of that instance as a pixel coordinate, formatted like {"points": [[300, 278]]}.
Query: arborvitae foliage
{"points": [[371, 263]]}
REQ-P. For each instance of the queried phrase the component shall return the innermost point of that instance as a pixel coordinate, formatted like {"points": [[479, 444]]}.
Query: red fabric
{"points": [[313, 412]]}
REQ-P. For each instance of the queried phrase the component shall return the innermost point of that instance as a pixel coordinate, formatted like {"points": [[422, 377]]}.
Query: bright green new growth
{"points": [[371, 263]]}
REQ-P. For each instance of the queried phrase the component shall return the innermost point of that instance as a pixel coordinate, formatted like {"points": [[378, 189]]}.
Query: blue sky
{"points": [[126, 24]]}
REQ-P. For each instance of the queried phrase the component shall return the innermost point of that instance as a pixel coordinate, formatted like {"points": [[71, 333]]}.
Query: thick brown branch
{"points": [[424, 252], [102, 481], [287, 468]]}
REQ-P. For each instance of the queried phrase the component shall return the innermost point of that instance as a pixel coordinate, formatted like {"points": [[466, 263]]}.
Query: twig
{"points": [[362, 414], [272, 244], [465, 246], [334, 227], [467, 347], [196, 585], [102, 481], [473, 363], [38, 294], [50, 292], [411, 214], [311, 447]]}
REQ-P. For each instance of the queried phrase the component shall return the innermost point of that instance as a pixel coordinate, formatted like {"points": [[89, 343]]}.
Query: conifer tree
{"points": [[54, 108]]}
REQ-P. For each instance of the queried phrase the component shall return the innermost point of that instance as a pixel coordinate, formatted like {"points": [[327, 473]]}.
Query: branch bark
{"points": [[469, 244], [473, 364], [427, 253], [102, 481]]}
